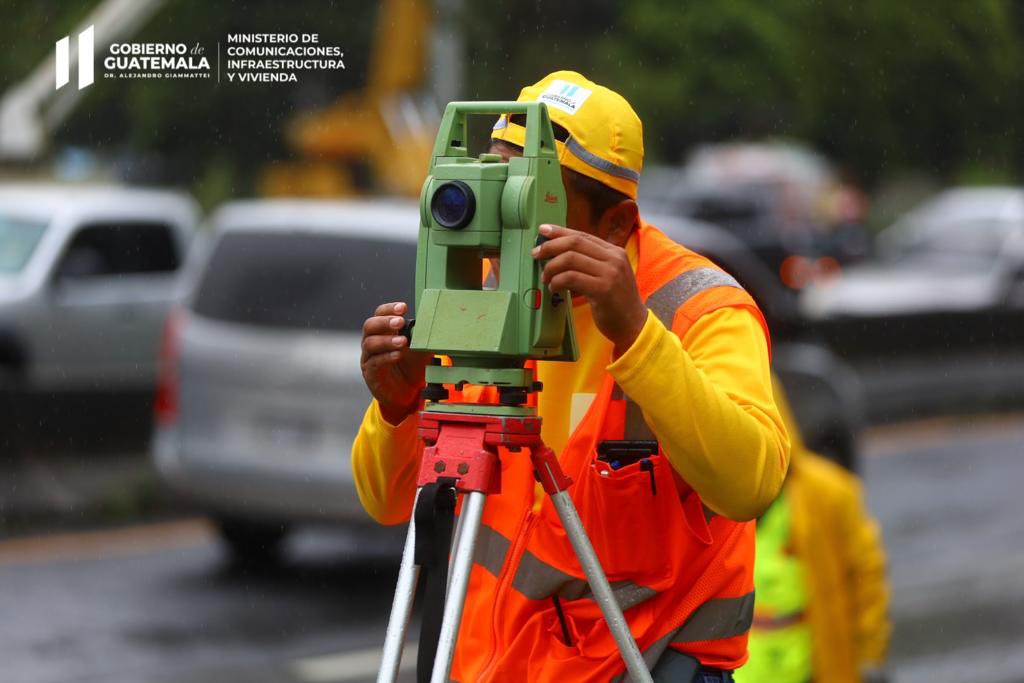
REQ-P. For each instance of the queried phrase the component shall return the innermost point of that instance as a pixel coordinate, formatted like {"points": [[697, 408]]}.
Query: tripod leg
{"points": [[462, 562], [455, 548], [599, 586], [401, 608]]}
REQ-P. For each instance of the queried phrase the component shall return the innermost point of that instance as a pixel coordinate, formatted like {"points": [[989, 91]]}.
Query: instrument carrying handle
{"points": [[540, 139]]}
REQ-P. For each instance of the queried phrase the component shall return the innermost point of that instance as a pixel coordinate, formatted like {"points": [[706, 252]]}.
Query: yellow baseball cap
{"points": [[606, 138]]}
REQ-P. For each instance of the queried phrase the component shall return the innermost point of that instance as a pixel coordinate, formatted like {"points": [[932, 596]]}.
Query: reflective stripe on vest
{"points": [[491, 549], [538, 580], [664, 303], [668, 298], [716, 618]]}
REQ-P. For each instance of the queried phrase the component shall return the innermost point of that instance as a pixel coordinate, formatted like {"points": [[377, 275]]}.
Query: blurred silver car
{"points": [[261, 393], [87, 274], [937, 322]]}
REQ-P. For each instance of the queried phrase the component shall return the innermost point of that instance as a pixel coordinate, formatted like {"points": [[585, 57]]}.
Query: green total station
{"points": [[482, 209]]}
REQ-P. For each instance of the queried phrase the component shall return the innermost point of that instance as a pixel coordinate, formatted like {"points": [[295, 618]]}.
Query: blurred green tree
{"points": [[879, 86]]}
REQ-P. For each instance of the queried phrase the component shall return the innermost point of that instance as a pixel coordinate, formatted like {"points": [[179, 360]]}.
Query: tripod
{"points": [[462, 456]]}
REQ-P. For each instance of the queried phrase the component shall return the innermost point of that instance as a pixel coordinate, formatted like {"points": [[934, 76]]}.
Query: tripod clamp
{"points": [[465, 446]]}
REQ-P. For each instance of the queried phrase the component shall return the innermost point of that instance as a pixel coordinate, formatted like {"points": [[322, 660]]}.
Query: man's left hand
{"points": [[589, 266]]}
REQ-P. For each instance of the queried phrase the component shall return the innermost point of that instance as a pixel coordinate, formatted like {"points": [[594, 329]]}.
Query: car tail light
{"points": [[795, 272], [165, 404]]}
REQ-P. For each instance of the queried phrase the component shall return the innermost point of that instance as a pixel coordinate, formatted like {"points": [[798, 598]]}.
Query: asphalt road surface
{"points": [[950, 497], [160, 603]]}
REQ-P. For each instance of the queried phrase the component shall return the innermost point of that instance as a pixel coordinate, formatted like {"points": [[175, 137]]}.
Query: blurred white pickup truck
{"points": [[87, 274]]}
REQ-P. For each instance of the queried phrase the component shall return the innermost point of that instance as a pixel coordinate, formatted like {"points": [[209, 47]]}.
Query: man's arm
{"points": [[708, 399], [385, 458], [384, 453]]}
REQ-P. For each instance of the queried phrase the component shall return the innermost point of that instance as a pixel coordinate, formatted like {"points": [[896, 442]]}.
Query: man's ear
{"points": [[618, 221]]}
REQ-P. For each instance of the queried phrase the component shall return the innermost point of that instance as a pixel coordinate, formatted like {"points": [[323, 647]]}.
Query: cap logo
{"points": [[563, 95]]}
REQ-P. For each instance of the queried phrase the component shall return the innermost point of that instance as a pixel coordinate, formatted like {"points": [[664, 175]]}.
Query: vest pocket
{"points": [[631, 515], [556, 628], [590, 638]]}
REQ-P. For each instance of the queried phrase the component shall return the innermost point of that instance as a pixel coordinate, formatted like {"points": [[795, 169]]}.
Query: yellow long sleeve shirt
{"points": [[707, 397]]}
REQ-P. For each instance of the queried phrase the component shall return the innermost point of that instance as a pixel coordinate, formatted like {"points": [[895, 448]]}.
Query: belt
{"points": [[713, 676], [676, 667]]}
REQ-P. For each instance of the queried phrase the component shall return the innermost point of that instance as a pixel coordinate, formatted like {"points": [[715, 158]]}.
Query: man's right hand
{"points": [[393, 373]]}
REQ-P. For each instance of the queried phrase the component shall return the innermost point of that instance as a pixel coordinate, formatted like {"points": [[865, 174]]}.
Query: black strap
{"points": [[434, 515]]}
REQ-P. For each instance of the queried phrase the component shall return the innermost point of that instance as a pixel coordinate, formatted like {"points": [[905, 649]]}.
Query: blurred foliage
{"points": [[881, 87], [877, 85]]}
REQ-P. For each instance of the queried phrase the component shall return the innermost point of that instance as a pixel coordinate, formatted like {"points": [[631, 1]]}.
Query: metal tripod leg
{"points": [[401, 607], [456, 536], [462, 564], [602, 591]]}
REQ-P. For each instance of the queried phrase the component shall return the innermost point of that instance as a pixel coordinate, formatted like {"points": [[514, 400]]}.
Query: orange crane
{"points": [[383, 126]]}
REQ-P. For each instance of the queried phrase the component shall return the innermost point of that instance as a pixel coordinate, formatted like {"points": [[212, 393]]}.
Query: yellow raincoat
{"points": [[844, 561]]}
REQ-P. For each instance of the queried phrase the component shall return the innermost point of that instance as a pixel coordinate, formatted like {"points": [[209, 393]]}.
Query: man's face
{"points": [[577, 208]]}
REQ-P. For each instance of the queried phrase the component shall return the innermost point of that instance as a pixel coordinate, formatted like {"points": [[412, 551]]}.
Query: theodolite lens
{"points": [[453, 205]]}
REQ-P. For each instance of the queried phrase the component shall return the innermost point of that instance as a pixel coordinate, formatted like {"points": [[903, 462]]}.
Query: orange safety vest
{"points": [[683, 576]]}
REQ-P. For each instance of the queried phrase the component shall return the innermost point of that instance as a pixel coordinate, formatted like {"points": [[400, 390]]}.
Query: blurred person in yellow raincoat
{"points": [[822, 595]]}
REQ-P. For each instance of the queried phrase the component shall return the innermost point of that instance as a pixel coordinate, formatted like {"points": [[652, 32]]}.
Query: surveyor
{"points": [[673, 350], [822, 593]]}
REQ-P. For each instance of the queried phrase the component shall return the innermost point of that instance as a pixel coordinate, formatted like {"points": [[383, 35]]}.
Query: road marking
{"points": [[348, 666], [85, 545]]}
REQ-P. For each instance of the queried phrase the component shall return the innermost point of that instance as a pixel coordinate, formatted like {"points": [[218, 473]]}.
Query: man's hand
{"points": [[393, 373], [598, 270]]}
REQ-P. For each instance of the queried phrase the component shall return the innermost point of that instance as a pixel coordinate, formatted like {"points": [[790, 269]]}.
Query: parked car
{"points": [[87, 275], [937, 322], [262, 394], [782, 199], [795, 251]]}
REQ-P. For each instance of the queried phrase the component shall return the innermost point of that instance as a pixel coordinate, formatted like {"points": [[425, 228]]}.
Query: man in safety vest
{"points": [[822, 594], [672, 349]]}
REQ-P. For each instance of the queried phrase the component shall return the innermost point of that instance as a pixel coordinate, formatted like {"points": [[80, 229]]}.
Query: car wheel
{"points": [[252, 544]]}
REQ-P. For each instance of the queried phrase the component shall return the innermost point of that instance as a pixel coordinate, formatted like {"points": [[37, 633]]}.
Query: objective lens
{"points": [[453, 205]]}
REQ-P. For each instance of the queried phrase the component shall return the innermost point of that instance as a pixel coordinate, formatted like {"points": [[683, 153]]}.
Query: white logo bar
{"points": [[85, 60], [63, 56]]}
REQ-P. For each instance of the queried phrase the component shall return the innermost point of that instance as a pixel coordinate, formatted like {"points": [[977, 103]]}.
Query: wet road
{"points": [[950, 496], [160, 604]]}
